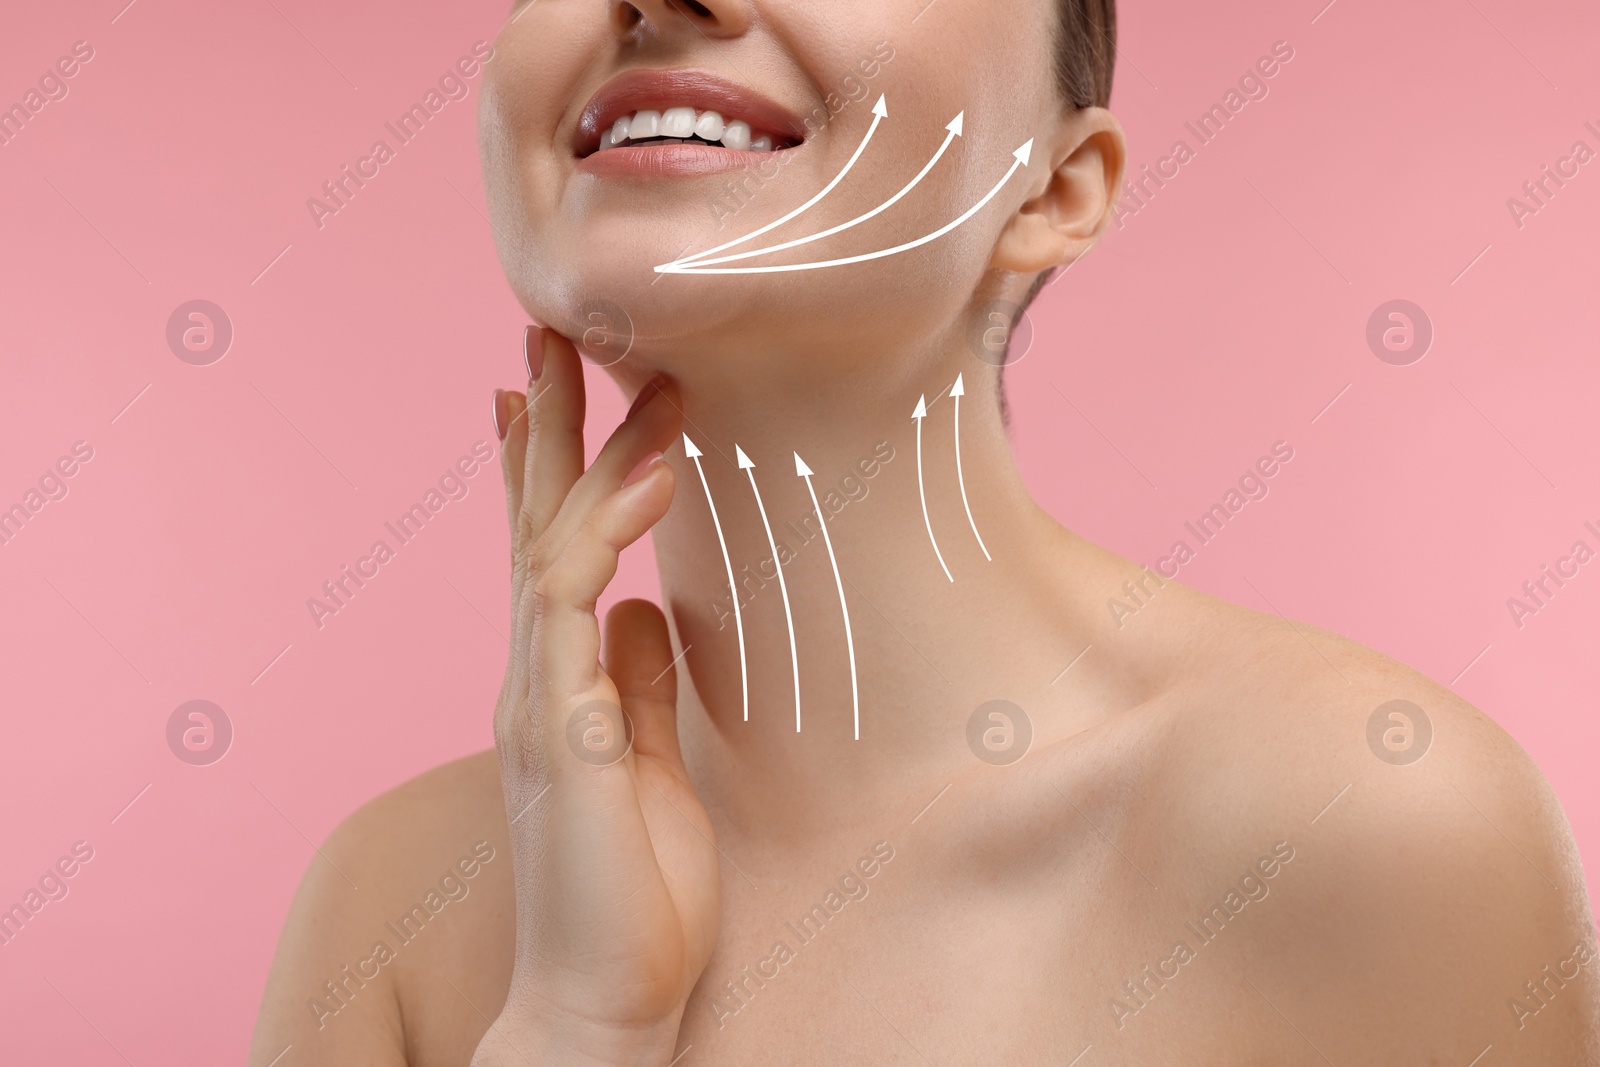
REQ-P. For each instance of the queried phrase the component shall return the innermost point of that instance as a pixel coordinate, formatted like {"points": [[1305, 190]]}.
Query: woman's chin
{"points": [[616, 308], [652, 328], [627, 308]]}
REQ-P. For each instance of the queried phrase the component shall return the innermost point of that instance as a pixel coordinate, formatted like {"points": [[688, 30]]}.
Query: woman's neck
{"points": [[927, 648]]}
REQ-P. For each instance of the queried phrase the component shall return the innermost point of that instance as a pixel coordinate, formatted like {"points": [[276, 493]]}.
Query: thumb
{"points": [[638, 659]]}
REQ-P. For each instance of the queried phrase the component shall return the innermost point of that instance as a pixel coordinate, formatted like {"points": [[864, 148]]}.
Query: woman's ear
{"points": [[1066, 219]]}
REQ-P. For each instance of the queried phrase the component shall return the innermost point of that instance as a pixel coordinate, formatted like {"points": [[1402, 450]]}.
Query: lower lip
{"points": [[670, 161]]}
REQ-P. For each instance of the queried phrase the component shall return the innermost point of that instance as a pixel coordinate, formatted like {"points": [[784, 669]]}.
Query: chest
{"points": [[931, 949], [897, 954], [1000, 931]]}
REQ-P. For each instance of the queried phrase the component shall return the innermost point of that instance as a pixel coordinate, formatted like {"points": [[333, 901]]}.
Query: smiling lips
{"points": [[678, 124], [659, 123]]}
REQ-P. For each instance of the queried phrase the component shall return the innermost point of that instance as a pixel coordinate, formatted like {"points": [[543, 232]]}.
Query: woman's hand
{"points": [[616, 873]]}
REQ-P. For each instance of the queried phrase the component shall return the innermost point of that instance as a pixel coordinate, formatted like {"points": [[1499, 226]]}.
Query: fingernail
{"points": [[502, 413], [533, 352], [651, 388], [642, 468]]}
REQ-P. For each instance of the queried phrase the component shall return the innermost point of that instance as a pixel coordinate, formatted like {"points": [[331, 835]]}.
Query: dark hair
{"points": [[1086, 51]]}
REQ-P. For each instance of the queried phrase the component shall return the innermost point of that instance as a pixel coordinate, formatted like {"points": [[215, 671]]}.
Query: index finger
{"points": [[553, 460]]}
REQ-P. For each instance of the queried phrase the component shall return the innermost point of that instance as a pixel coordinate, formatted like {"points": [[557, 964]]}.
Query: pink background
{"points": [[1224, 316]]}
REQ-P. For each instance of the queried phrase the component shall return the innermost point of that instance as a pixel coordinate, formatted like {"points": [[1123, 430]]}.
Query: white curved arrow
{"points": [[1021, 160], [744, 674], [917, 416], [880, 111], [804, 471], [958, 391], [955, 131], [746, 465]]}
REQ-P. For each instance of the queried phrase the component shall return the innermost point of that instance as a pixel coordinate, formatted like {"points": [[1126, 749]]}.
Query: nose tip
{"points": [[711, 18]]}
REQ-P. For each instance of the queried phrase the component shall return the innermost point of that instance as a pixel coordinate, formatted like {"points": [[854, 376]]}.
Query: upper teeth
{"points": [[684, 122]]}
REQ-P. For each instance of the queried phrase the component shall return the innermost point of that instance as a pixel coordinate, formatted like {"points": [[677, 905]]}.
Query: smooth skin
{"points": [[1432, 912], [622, 851], [1002, 929]]}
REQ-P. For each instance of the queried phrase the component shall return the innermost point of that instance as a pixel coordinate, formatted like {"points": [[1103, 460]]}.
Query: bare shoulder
{"points": [[1432, 890], [407, 906]]}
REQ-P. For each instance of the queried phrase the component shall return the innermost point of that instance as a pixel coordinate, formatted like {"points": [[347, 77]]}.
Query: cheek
{"points": [[526, 89]]}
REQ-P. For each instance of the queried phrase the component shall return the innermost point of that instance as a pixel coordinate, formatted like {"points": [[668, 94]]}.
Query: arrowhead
{"points": [[689, 449], [881, 109], [958, 389], [1025, 152], [744, 460], [955, 124], [800, 467], [922, 407]]}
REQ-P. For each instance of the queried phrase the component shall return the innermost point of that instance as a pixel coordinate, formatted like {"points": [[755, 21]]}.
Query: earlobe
{"points": [[1065, 220]]}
